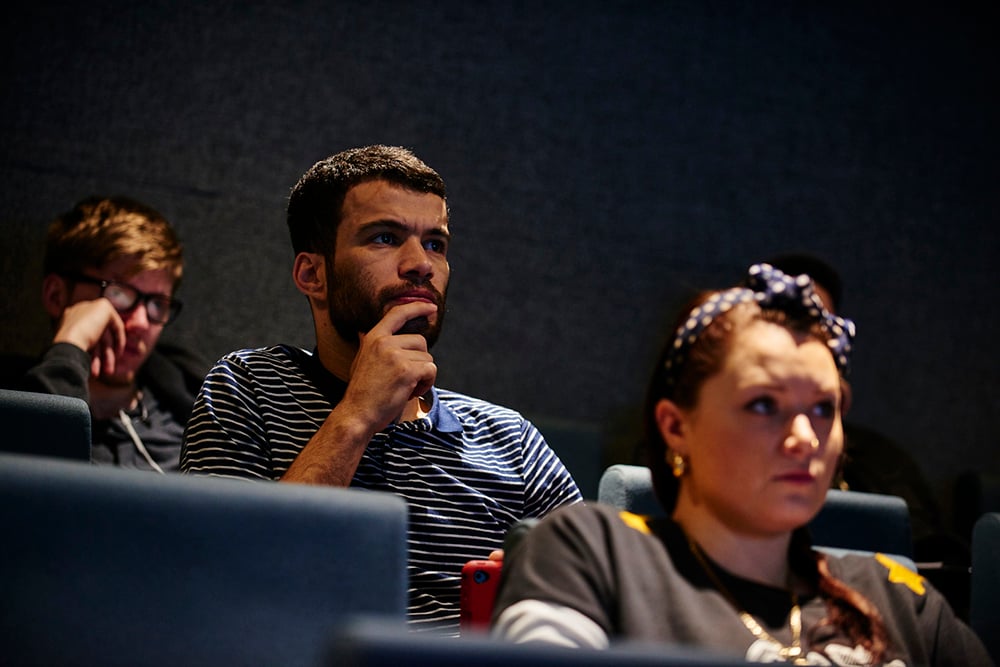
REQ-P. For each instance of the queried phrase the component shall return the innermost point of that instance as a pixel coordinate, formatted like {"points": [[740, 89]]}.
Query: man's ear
{"points": [[673, 424], [55, 295], [309, 274]]}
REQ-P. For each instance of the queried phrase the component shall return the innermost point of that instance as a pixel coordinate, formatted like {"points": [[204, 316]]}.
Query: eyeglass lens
{"points": [[124, 298]]}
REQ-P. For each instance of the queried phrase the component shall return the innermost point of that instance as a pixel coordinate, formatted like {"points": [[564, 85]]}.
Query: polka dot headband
{"points": [[774, 290]]}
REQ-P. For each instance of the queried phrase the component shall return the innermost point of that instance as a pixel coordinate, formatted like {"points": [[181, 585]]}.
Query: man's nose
{"points": [[415, 261]]}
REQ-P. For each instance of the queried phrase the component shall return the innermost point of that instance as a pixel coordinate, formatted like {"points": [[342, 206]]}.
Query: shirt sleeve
{"points": [[533, 621], [226, 436], [64, 369], [548, 483], [560, 561]]}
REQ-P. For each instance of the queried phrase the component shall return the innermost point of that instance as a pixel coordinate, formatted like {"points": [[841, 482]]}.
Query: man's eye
{"points": [[385, 238], [121, 297], [437, 246], [765, 405]]}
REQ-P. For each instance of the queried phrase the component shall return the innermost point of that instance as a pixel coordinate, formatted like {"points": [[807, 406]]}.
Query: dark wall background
{"points": [[602, 160]]}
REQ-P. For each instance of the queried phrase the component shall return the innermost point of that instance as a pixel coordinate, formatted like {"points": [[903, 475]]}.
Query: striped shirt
{"points": [[468, 471]]}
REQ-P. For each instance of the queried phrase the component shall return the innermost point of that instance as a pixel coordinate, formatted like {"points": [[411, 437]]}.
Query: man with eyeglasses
{"points": [[111, 268]]}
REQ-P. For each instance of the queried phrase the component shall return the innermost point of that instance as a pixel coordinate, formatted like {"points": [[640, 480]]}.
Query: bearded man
{"points": [[369, 227]]}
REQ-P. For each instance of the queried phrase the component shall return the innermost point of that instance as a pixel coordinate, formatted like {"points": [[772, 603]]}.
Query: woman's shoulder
{"points": [[878, 570], [598, 521], [590, 510], [895, 589], [911, 606]]}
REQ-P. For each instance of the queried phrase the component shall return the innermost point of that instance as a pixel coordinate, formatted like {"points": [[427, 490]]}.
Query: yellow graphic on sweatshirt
{"points": [[900, 574], [636, 521]]}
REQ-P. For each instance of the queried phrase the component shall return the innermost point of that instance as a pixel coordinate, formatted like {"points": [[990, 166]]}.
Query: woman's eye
{"points": [[825, 409], [765, 405]]}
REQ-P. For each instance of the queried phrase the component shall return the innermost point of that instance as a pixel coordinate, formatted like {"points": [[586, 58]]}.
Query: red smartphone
{"points": [[479, 588]]}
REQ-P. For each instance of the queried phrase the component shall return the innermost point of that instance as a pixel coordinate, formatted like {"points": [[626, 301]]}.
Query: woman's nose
{"points": [[802, 438]]}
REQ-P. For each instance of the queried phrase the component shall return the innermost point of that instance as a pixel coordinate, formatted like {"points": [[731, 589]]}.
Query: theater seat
{"points": [[984, 608], [629, 488], [848, 520], [375, 644], [110, 566], [44, 425], [864, 522]]}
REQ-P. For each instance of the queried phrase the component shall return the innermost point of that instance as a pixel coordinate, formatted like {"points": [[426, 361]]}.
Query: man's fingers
{"points": [[417, 325], [108, 351], [398, 316], [85, 323], [116, 327], [426, 382]]}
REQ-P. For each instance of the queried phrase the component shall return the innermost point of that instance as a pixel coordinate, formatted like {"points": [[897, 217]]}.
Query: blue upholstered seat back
{"points": [[44, 424], [984, 607], [848, 520], [373, 644], [107, 566]]}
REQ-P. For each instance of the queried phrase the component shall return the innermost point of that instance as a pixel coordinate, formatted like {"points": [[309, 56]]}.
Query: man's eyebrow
{"points": [[396, 225], [439, 232]]}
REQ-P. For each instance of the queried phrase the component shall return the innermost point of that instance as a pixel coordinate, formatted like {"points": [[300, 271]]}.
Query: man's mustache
{"points": [[392, 293]]}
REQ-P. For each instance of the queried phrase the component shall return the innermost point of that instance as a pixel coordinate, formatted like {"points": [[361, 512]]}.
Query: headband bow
{"points": [[774, 290]]}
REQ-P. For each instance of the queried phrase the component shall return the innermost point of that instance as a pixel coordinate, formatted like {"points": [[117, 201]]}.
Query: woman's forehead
{"points": [[763, 350]]}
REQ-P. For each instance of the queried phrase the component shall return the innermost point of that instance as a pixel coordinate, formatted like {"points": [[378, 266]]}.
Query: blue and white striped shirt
{"points": [[468, 471]]}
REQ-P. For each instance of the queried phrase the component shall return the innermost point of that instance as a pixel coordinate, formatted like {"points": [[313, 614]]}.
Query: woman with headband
{"points": [[744, 435]]}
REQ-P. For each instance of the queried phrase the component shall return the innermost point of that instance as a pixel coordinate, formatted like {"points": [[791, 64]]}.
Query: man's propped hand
{"points": [[391, 368], [97, 328]]}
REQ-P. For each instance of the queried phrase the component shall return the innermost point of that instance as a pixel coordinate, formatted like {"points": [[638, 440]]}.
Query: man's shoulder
{"points": [[275, 356], [282, 363], [601, 522], [465, 405], [13, 366], [47, 372]]}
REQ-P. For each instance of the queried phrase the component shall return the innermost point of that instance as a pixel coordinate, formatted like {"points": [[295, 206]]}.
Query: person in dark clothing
{"points": [[112, 266], [744, 435]]}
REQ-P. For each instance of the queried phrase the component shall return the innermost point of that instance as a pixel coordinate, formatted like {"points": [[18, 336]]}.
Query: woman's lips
{"points": [[797, 477]]}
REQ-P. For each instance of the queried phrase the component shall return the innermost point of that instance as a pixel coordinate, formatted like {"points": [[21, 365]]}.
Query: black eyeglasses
{"points": [[159, 309]]}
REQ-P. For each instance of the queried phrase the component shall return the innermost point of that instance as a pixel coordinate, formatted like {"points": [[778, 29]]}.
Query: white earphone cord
{"points": [[127, 423]]}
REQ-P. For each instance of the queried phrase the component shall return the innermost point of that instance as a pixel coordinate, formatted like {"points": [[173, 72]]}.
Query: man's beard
{"points": [[354, 307]]}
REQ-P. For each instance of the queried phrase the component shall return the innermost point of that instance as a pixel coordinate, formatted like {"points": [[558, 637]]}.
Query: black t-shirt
{"points": [[639, 581]]}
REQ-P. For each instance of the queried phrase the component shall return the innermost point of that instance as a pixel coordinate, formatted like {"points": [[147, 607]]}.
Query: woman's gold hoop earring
{"points": [[814, 443], [678, 465]]}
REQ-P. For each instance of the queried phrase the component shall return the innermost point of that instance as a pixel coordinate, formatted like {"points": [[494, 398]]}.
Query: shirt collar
{"points": [[441, 416]]}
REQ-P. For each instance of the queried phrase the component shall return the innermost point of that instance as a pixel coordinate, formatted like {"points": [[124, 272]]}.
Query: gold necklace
{"points": [[791, 653]]}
